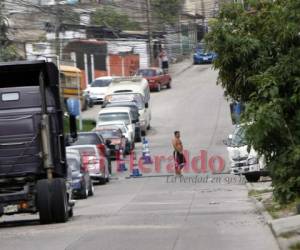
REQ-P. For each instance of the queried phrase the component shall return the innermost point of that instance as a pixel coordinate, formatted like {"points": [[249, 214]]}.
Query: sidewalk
{"points": [[177, 68], [284, 223]]}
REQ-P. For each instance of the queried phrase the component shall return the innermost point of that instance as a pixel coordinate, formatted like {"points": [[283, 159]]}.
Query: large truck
{"points": [[33, 168]]}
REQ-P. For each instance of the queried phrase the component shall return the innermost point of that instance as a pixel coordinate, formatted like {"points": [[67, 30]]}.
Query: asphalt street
{"points": [[199, 211]]}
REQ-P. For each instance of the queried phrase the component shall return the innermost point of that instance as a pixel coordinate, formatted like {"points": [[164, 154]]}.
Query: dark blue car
{"points": [[203, 57]]}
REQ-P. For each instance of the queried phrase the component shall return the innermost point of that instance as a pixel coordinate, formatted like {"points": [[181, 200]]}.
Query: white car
{"points": [[242, 161], [98, 88], [118, 114], [136, 88]]}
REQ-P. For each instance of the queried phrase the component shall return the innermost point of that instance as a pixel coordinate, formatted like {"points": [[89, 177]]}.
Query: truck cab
{"points": [[33, 168]]}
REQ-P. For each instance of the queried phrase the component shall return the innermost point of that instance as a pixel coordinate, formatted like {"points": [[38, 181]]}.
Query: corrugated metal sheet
{"points": [[135, 47]]}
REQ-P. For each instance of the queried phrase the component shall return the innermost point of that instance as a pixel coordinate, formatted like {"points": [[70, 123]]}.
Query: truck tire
{"points": [[252, 177], [59, 200], [44, 201]]}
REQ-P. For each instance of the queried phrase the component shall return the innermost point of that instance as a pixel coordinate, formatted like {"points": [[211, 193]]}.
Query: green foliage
{"points": [[259, 63], [166, 11], [112, 19]]}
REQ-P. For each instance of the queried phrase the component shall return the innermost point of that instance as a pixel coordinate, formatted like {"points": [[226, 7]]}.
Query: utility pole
{"points": [[149, 30], [203, 16], [57, 29]]}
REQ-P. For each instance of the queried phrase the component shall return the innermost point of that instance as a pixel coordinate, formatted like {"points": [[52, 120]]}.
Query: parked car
{"points": [[82, 185], [92, 138], [135, 114], [98, 88], [97, 164], [129, 143], [156, 78], [204, 57], [121, 114], [116, 139], [133, 89], [242, 161]]}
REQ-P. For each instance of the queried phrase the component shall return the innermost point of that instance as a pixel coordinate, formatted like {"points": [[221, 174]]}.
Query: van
{"points": [[132, 89]]}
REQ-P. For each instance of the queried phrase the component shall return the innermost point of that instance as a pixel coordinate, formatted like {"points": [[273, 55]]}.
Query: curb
{"points": [[266, 216]]}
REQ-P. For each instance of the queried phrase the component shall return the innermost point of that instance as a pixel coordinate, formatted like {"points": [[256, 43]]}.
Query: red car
{"points": [[156, 78]]}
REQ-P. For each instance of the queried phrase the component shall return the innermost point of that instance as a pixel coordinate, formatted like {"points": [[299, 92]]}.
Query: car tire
{"points": [[252, 177], [107, 179], [102, 181], [169, 85], [84, 105], [158, 87], [90, 103], [59, 200], [91, 188], [71, 213], [84, 191], [44, 201]]}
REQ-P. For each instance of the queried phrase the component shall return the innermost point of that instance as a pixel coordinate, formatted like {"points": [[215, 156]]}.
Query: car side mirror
{"points": [[146, 105]]}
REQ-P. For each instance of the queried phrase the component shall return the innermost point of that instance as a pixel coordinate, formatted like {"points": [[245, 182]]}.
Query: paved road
{"points": [[210, 212]]}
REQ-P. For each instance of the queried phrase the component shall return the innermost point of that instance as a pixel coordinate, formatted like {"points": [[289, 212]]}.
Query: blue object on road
{"points": [[73, 106]]}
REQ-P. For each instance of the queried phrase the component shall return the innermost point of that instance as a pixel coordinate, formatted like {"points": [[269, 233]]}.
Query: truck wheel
{"points": [[252, 177], [59, 200], [44, 201]]}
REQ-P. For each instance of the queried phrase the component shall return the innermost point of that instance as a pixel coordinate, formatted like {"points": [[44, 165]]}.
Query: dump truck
{"points": [[33, 168]]}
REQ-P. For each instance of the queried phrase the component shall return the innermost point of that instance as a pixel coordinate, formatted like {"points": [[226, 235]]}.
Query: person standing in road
{"points": [[164, 60], [178, 153]]}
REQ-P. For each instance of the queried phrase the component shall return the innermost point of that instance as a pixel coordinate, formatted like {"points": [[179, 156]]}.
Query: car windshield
{"points": [[117, 116], [238, 137], [101, 83], [86, 139], [120, 126], [147, 72], [109, 133], [73, 164], [86, 150], [136, 98]]}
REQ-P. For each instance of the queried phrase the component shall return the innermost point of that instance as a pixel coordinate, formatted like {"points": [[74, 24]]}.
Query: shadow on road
{"points": [[19, 223]]}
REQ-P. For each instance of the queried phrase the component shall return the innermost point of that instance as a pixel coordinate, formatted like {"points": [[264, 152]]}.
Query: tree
{"points": [[166, 11], [112, 19], [259, 63], [8, 52]]}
